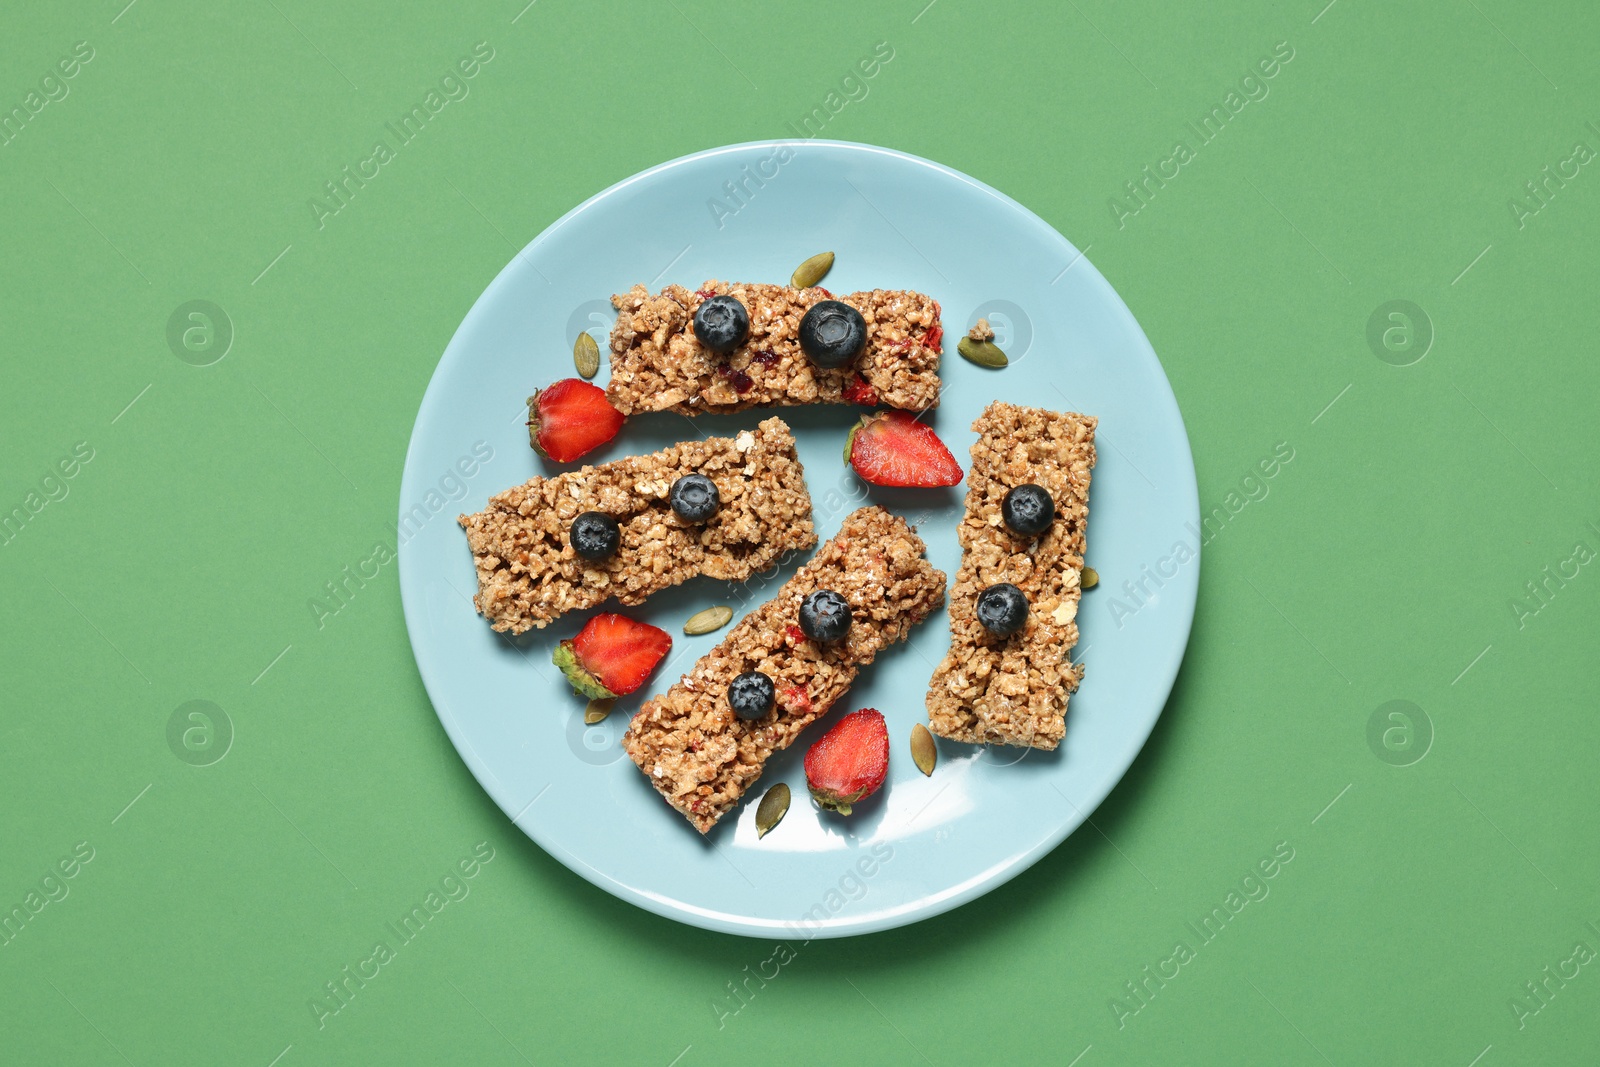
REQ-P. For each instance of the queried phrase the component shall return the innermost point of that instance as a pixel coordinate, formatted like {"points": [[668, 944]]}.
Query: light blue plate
{"points": [[752, 212]]}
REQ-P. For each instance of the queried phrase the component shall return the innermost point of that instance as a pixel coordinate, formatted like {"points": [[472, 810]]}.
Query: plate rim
{"points": [[926, 906]]}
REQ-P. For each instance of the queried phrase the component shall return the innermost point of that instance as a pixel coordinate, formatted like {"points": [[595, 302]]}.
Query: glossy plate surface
{"points": [[752, 213]]}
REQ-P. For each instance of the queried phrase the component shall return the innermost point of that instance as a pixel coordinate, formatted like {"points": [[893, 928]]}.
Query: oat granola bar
{"points": [[702, 757], [1013, 690], [657, 364], [529, 575]]}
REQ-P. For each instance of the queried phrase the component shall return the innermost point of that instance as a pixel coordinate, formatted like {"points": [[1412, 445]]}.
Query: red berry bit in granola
{"points": [[877, 563], [529, 575], [1013, 690], [657, 364], [740, 381], [795, 698], [859, 392]]}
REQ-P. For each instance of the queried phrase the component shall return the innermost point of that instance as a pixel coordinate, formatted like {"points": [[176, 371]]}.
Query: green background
{"points": [[1436, 868]]}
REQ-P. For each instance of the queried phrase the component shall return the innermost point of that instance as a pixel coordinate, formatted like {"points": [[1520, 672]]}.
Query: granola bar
{"points": [[657, 364], [528, 574], [697, 753], [1013, 690]]}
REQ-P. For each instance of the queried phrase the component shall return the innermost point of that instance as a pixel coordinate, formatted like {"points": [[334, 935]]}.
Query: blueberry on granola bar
{"points": [[721, 323], [529, 575], [659, 364], [699, 755], [1015, 691], [1028, 510], [825, 616], [595, 535], [750, 695], [1002, 609], [832, 333], [694, 497]]}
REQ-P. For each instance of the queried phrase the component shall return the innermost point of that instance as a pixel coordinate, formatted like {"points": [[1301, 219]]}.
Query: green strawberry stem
{"points": [[585, 683]]}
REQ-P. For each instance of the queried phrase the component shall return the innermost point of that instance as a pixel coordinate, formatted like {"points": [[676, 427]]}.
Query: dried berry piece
{"points": [[857, 391]]}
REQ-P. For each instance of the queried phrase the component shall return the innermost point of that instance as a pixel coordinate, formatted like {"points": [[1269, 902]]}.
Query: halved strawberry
{"points": [[895, 448], [857, 391], [612, 655], [849, 762], [570, 418]]}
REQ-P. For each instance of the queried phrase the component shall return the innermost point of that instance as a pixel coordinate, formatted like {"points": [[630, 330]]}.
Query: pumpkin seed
{"points": [[1091, 578], [923, 750], [774, 806], [598, 710], [812, 270], [983, 353], [703, 622], [586, 355]]}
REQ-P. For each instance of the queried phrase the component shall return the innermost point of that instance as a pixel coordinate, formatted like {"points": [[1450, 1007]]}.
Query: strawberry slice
{"points": [[570, 418], [849, 762], [859, 392], [612, 655], [894, 448]]}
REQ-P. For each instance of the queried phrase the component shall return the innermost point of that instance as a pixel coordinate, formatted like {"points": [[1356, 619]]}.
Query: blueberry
{"points": [[722, 324], [1028, 510], [694, 497], [1002, 609], [750, 695], [832, 333], [825, 616], [595, 535]]}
